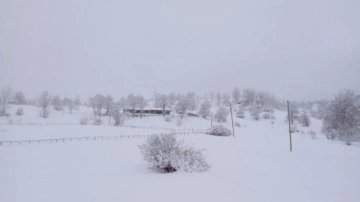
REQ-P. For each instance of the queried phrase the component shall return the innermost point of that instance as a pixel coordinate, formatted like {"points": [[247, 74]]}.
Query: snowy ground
{"points": [[254, 166]]}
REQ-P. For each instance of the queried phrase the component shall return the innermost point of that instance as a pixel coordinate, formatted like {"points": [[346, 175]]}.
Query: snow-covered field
{"points": [[256, 165]]}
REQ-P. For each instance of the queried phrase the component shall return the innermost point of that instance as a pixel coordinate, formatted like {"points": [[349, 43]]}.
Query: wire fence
{"points": [[98, 138]]}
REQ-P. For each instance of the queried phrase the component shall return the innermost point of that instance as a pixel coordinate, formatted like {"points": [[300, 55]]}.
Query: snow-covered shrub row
{"points": [[219, 131], [168, 154]]}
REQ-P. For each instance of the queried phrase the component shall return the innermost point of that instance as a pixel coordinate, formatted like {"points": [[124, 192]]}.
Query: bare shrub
{"points": [[168, 154], [219, 131], [19, 111]]}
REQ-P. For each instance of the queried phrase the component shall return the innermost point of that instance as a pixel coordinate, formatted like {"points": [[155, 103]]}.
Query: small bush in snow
{"points": [[219, 131], [168, 154], [240, 114], [304, 119], [44, 113], [266, 115], [84, 120], [97, 121], [237, 124], [167, 118], [19, 111]]}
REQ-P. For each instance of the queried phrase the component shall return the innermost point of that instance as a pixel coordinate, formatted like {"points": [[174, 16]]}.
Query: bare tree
{"points": [[5, 98], [218, 99]]}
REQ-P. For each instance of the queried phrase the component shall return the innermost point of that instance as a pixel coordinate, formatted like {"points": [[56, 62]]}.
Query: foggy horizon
{"points": [[306, 50]]}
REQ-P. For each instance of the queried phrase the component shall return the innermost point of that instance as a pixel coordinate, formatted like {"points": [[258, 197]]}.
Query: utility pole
{"points": [[289, 119], [232, 120]]}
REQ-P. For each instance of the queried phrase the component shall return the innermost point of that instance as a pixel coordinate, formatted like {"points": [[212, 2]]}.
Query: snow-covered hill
{"points": [[255, 165]]}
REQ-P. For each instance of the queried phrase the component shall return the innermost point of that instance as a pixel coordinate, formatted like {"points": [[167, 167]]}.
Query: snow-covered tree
{"points": [[132, 103], [5, 97], [218, 99], [69, 104], [342, 119], [236, 95], [221, 114], [204, 110], [97, 103], [19, 98], [226, 99], [186, 102], [108, 104], [57, 103], [249, 96], [162, 101], [44, 103], [142, 103], [304, 119]]}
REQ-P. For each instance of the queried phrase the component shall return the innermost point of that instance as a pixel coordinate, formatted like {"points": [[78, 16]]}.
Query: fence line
{"points": [[78, 124], [97, 138]]}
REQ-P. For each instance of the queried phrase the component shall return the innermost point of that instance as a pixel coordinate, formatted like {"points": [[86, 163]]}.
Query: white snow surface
{"points": [[255, 165]]}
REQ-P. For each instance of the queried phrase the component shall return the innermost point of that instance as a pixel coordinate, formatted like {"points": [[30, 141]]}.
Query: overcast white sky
{"points": [[306, 49]]}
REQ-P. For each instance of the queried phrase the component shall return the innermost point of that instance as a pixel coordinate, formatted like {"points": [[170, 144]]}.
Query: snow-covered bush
{"points": [[221, 114], [304, 119], [240, 114], [168, 154], [19, 111], [255, 114], [44, 113], [179, 122], [266, 115], [312, 134], [167, 118], [219, 131], [342, 119], [237, 124], [84, 120], [204, 110], [97, 121]]}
